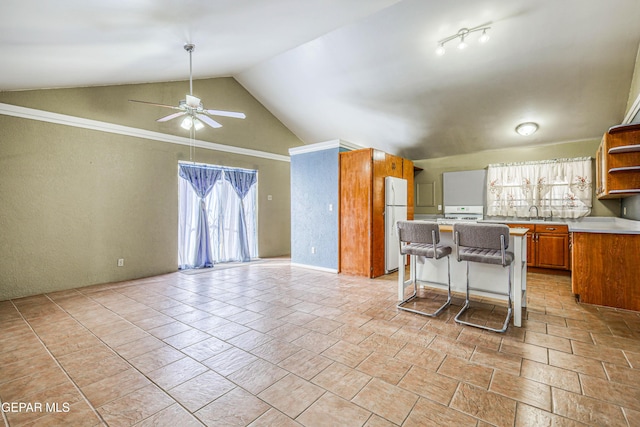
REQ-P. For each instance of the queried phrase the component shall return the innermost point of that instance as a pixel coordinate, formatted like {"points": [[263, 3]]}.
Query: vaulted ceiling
{"points": [[364, 71]]}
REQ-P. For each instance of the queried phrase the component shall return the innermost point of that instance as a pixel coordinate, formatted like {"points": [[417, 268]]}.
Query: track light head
{"points": [[463, 34]]}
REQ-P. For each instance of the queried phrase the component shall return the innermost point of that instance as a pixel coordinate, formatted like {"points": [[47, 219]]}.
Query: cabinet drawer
{"points": [[551, 228], [530, 227]]}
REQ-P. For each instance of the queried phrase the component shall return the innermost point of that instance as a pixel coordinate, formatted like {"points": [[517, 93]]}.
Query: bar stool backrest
{"points": [[418, 232], [485, 236]]}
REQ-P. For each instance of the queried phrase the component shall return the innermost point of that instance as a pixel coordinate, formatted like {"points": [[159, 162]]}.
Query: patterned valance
{"points": [[559, 187]]}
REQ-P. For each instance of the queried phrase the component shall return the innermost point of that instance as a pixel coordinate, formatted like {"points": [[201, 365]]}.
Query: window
{"points": [[560, 188]]}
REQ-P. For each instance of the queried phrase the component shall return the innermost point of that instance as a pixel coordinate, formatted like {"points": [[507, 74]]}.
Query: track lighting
{"points": [[462, 45], [462, 34], [484, 37]]}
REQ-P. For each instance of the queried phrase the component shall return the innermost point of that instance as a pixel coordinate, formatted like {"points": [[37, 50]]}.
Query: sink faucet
{"points": [[537, 213]]}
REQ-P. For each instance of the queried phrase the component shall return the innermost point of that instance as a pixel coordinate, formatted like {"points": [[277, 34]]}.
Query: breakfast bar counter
{"points": [[490, 277]]}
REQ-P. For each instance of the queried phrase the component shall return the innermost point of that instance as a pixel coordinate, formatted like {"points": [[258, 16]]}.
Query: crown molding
{"points": [[79, 122], [326, 145]]}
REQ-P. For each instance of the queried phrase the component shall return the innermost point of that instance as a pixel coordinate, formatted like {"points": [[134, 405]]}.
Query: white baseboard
{"points": [[315, 267]]}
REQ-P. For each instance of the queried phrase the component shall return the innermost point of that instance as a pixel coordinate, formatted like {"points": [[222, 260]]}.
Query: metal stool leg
{"points": [[467, 303], [415, 291]]}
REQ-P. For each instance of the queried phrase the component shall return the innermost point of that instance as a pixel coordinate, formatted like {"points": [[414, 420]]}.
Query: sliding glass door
{"points": [[216, 216]]}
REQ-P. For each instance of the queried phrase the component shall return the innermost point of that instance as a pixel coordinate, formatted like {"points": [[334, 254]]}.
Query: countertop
{"points": [[589, 224], [513, 231]]}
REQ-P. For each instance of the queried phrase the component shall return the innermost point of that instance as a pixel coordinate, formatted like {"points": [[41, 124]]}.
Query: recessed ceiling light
{"points": [[526, 129]]}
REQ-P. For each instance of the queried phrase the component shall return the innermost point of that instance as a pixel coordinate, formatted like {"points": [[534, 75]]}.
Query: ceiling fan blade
{"points": [[208, 120], [171, 116], [157, 105], [226, 114], [192, 101]]}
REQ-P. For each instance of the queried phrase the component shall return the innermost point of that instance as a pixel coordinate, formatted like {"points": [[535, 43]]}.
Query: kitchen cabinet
{"points": [[548, 245], [362, 174], [618, 163], [605, 269]]}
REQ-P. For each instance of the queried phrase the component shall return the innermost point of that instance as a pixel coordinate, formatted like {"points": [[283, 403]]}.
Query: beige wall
{"points": [[634, 91], [75, 200], [433, 168]]}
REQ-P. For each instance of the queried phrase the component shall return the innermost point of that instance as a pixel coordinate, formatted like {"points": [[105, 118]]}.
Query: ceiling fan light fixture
{"points": [[440, 50], [187, 123], [527, 128], [195, 115]]}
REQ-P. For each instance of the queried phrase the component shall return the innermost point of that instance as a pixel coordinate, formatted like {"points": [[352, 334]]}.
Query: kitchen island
{"points": [[490, 277]]}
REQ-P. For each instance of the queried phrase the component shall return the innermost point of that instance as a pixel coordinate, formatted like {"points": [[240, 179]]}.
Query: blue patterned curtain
{"points": [[202, 180], [241, 181]]}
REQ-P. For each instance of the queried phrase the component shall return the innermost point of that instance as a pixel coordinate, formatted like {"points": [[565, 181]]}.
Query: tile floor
{"points": [[275, 345]]}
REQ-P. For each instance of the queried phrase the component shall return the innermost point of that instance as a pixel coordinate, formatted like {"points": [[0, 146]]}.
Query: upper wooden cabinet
{"points": [[618, 163], [362, 174]]}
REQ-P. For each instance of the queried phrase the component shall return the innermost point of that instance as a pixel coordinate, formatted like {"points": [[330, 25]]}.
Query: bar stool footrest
{"points": [[464, 322], [414, 296]]}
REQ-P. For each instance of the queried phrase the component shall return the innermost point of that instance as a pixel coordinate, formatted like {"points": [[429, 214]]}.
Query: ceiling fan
{"points": [[191, 107]]}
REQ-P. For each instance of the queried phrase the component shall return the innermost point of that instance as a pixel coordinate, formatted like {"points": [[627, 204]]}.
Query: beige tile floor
{"points": [[275, 345]]}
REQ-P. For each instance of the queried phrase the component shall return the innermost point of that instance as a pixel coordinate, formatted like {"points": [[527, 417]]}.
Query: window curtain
{"points": [[560, 188], [242, 181], [202, 180], [231, 218]]}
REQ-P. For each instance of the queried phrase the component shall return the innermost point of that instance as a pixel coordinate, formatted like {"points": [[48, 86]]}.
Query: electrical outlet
{"points": [[439, 207], [313, 249], [330, 207], [269, 197], [120, 262], [624, 211]]}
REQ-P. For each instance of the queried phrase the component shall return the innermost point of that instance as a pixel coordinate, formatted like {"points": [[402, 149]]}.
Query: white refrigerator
{"points": [[395, 196]]}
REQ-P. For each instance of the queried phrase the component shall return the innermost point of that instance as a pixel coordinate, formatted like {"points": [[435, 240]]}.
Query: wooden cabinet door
{"points": [[381, 167], [552, 246], [356, 198], [605, 269], [552, 250], [531, 249]]}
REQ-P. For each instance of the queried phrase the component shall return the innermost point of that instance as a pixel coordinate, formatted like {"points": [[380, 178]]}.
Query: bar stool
{"points": [[422, 238], [487, 244]]}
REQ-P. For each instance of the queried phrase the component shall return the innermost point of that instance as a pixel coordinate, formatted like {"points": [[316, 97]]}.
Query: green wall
{"points": [[431, 175], [75, 200]]}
